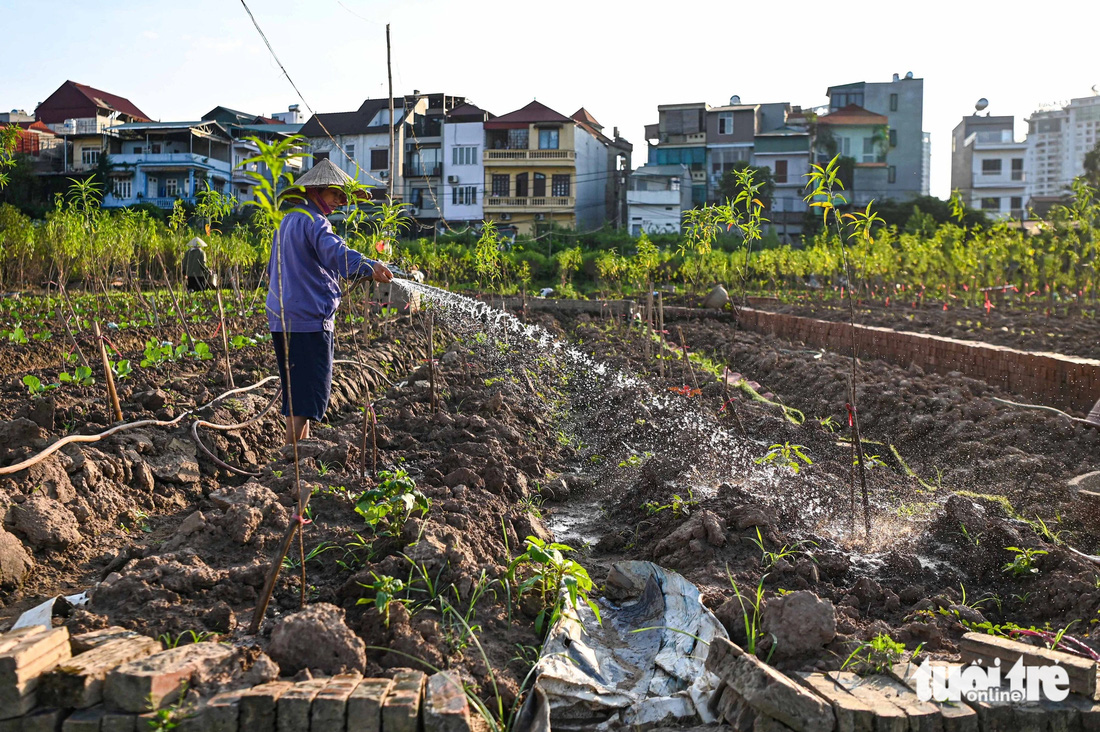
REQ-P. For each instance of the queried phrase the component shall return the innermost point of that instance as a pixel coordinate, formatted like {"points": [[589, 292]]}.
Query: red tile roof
{"points": [[853, 114], [533, 113], [583, 115], [73, 100]]}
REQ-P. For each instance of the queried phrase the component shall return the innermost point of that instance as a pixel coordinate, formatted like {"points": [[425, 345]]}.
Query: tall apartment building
{"points": [[988, 165], [463, 193], [1057, 141], [907, 147]]}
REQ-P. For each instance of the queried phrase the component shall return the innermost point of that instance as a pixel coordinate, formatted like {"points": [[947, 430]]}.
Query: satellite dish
{"points": [[981, 104], [1095, 90]]}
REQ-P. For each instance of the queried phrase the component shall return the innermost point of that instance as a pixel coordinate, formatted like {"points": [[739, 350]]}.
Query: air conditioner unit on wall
{"points": [[540, 217], [452, 179], [384, 174], [414, 211], [506, 217]]}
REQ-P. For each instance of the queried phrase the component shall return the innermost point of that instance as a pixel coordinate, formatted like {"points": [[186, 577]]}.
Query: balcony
{"points": [[540, 203], [524, 156], [170, 160], [423, 170]]}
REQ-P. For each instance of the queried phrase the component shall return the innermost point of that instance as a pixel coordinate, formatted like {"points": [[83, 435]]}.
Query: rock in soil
{"points": [[317, 638]]}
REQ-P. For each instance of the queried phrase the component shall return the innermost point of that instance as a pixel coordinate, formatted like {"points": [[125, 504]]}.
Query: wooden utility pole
{"points": [[393, 129]]}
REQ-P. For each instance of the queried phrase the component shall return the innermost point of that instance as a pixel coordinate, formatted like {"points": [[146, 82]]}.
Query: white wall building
{"points": [[591, 180], [656, 198], [1057, 141], [463, 189]]}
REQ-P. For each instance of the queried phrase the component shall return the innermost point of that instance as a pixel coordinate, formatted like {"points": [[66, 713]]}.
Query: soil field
{"points": [[533, 433], [1052, 330]]}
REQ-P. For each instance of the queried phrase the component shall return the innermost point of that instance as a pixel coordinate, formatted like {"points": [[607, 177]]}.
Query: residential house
{"points": [[619, 151], [424, 155], [42, 146], [786, 153], [160, 162], [82, 115], [908, 150], [359, 142], [242, 126], [542, 168], [463, 192], [657, 197], [731, 130], [860, 135], [680, 138], [987, 165], [1058, 138]]}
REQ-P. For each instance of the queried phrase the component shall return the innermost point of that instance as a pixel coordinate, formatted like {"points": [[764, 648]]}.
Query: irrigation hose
{"points": [[1043, 408], [225, 428], [72, 439]]}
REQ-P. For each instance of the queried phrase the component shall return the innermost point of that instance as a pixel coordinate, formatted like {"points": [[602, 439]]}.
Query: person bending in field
{"points": [[307, 261], [198, 275]]}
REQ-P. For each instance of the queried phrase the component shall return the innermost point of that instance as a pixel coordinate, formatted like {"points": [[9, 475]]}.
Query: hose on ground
{"points": [[83, 439], [1042, 408], [225, 428]]}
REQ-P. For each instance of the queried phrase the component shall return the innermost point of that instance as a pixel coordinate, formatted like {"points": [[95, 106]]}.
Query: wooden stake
{"points": [[432, 402], [661, 332], [112, 395], [225, 339], [687, 361]]}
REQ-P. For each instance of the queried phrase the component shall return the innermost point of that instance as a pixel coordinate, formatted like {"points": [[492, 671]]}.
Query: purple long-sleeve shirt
{"points": [[313, 261]]}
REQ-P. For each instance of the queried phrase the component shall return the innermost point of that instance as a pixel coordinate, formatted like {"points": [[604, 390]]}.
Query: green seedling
{"points": [[785, 455], [551, 571], [1023, 564]]}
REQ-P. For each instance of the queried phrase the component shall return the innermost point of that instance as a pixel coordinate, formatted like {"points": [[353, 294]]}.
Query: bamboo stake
{"points": [[225, 339], [661, 332], [112, 395], [687, 361], [432, 402]]}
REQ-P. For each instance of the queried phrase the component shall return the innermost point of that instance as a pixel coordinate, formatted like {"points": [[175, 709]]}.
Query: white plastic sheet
{"points": [[43, 614], [643, 666]]}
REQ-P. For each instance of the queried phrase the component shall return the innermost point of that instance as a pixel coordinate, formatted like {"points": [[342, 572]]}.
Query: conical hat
{"points": [[196, 243], [324, 174]]}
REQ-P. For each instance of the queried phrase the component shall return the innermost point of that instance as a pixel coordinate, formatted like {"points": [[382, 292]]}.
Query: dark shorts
{"points": [[310, 371]]}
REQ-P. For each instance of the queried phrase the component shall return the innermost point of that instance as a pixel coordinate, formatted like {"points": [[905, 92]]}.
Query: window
{"points": [[379, 159], [137, 149], [1017, 170], [725, 123], [349, 150], [318, 157], [521, 185], [869, 150], [464, 155], [893, 102], [171, 186], [124, 188], [991, 204], [538, 188], [89, 156], [559, 185], [417, 197], [464, 195], [991, 167], [517, 139], [548, 139], [780, 173], [893, 137], [845, 147], [156, 148], [501, 184], [1017, 205], [892, 174]]}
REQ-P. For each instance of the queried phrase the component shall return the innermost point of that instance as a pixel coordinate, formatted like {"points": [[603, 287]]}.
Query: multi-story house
{"points": [[860, 135], [242, 126], [160, 162], [908, 149], [619, 152], [731, 130], [987, 165], [657, 197], [82, 116], [680, 138], [463, 190], [424, 155], [359, 142], [1057, 141], [786, 153], [542, 168]]}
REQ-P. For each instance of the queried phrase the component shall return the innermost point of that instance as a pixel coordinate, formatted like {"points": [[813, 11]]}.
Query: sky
{"points": [[619, 60]]}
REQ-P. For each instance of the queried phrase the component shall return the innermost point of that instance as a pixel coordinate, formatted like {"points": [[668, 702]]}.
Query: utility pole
{"points": [[393, 130]]}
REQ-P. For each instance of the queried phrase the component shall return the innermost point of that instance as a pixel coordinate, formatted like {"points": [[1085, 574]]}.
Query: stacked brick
{"points": [[1061, 381], [754, 697], [114, 680]]}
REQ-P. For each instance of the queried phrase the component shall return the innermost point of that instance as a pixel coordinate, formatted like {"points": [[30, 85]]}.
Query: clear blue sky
{"points": [[177, 60]]}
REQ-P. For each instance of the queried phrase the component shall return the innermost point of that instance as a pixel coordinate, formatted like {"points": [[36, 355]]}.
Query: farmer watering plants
{"points": [[307, 260]]}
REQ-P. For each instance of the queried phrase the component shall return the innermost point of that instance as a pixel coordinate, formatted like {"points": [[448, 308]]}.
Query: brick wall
{"points": [[1044, 378]]}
